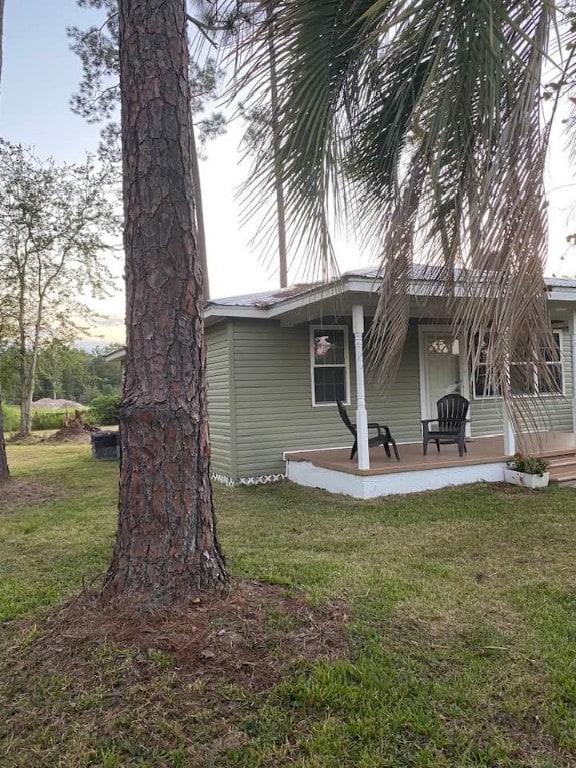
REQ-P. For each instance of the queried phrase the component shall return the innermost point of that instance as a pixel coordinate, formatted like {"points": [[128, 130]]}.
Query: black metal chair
{"points": [[383, 437], [451, 424]]}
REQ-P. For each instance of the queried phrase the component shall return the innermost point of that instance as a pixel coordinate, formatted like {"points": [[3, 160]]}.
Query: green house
{"points": [[272, 391]]}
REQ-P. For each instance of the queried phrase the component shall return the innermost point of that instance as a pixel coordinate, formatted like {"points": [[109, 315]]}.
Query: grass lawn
{"points": [[449, 621]]}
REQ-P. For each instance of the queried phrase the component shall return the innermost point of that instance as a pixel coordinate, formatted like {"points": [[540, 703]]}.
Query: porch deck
{"points": [[484, 461], [480, 450]]}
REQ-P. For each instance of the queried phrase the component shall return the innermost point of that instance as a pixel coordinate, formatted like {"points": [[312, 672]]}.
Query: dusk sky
{"points": [[39, 75]]}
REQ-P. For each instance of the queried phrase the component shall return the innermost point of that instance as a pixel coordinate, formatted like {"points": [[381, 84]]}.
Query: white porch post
{"points": [[572, 327], [509, 438], [508, 427], [361, 414]]}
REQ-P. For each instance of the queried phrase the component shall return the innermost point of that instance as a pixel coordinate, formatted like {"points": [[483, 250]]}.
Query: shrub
{"points": [[11, 415], [105, 409], [49, 419]]}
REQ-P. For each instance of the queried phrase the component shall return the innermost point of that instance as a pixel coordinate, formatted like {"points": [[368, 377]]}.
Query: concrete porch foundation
{"points": [[485, 460]]}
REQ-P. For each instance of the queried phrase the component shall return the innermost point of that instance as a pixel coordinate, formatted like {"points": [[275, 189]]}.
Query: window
{"points": [[444, 346], [329, 360], [482, 386], [525, 379], [552, 381]]}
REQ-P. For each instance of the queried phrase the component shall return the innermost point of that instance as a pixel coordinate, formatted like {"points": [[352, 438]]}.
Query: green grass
{"points": [[462, 615]]}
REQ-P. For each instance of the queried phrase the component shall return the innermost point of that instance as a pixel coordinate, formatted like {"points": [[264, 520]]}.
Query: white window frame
{"points": [[346, 365], [555, 331], [560, 362]]}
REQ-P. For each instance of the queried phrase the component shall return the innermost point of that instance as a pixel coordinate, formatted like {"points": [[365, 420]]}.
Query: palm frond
{"points": [[420, 124]]}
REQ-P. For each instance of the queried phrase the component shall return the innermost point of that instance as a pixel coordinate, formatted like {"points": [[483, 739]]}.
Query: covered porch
{"points": [[374, 474], [484, 461]]}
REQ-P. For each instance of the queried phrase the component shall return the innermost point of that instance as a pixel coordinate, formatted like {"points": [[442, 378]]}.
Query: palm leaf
{"points": [[420, 124]]}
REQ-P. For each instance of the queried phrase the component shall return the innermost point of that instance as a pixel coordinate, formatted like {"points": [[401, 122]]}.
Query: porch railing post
{"points": [[361, 414], [572, 327], [509, 437], [508, 426]]}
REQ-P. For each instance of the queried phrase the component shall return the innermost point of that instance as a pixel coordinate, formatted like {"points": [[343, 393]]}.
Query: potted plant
{"points": [[529, 471]]}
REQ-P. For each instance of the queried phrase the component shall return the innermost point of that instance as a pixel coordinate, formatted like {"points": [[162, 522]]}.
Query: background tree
{"points": [[6, 330], [54, 225], [166, 545], [63, 371], [4, 471], [98, 95]]}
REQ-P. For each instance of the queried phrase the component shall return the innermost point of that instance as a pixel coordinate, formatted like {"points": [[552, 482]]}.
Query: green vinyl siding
{"points": [[399, 407], [220, 399], [260, 398], [549, 413], [274, 411]]}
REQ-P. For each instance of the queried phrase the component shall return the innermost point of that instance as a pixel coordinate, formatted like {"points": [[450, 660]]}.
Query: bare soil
{"points": [[15, 493], [247, 634], [19, 438], [105, 671], [74, 431]]}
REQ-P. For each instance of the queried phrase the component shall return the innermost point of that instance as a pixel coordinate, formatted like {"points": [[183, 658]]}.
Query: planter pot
{"points": [[528, 481]]}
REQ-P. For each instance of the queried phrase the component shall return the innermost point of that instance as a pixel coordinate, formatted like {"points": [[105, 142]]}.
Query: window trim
{"points": [[313, 366], [562, 393]]}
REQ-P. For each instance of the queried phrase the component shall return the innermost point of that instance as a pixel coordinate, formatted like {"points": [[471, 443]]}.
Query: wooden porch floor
{"points": [[481, 450]]}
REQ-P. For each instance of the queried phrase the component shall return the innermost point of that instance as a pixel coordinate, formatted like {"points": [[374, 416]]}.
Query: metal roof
{"points": [[271, 298]]}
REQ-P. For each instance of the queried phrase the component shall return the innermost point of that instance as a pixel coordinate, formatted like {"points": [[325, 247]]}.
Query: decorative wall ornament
{"points": [[321, 345]]}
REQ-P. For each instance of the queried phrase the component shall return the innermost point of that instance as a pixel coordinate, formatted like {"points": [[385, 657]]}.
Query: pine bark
{"points": [[166, 547]]}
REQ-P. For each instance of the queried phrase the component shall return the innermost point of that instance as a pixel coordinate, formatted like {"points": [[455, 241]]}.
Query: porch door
{"points": [[441, 368]]}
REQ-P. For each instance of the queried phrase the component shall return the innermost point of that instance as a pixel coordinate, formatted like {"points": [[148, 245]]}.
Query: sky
{"points": [[39, 75]]}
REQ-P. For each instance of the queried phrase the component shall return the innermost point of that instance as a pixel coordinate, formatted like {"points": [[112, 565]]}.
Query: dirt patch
{"points": [[173, 681], [19, 438], [19, 493], [76, 430], [247, 635]]}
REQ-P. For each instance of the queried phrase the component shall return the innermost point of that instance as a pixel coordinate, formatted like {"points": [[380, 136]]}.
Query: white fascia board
{"points": [[118, 354], [222, 310], [296, 302], [323, 292], [562, 294]]}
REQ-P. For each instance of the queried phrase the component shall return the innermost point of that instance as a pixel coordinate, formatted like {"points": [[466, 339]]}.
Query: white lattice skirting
{"points": [[257, 480]]}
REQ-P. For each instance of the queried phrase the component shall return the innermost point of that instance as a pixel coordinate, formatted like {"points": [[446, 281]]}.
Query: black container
{"points": [[106, 445]]}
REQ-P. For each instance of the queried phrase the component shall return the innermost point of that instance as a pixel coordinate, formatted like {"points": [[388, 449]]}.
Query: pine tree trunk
{"points": [[166, 546]]}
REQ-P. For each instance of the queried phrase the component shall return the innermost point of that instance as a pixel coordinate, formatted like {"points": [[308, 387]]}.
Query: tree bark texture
{"points": [[29, 366], [166, 547]]}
